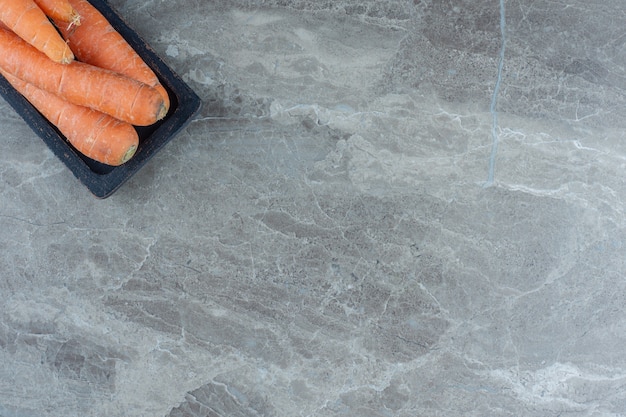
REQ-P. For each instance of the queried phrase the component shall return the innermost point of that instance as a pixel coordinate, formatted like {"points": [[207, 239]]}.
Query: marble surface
{"points": [[385, 208]]}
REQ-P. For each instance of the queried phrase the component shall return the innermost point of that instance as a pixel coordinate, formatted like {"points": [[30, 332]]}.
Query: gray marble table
{"points": [[384, 208]]}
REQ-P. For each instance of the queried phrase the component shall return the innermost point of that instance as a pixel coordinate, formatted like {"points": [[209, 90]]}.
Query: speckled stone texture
{"points": [[385, 208]]}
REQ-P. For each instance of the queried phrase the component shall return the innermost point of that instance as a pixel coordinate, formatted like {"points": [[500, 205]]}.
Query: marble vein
{"points": [[494, 99]]}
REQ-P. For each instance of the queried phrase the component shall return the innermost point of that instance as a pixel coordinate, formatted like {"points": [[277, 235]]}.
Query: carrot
{"points": [[60, 11], [106, 91], [30, 23], [97, 43], [94, 134]]}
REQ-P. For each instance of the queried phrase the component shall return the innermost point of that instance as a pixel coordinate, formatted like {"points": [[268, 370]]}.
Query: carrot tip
{"points": [[129, 153], [68, 55], [162, 111], [75, 20]]}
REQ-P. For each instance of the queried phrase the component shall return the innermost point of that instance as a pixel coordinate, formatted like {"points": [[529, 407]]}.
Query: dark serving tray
{"points": [[103, 180]]}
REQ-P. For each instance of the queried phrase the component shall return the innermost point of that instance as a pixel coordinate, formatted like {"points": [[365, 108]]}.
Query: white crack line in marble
{"points": [[494, 99], [554, 383]]}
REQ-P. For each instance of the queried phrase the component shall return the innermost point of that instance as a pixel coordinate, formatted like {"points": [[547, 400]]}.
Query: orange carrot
{"points": [[97, 43], [30, 23], [60, 11], [106, 91], [94, 134]]}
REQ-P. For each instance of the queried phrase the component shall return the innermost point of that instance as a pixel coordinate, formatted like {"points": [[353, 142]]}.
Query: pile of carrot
{"points": [[67, 60]]}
